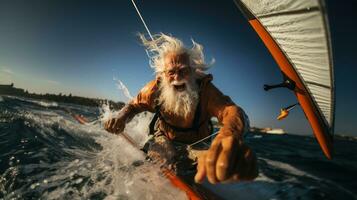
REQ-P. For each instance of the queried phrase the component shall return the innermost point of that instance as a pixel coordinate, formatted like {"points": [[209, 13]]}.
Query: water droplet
{"points": [[78, 181]]}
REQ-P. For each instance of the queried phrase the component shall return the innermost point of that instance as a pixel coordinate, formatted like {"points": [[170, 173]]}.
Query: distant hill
{"points": [[11, 90]]}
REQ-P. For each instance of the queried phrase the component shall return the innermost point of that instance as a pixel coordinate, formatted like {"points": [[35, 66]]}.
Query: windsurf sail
{"points": [[297, 35]]}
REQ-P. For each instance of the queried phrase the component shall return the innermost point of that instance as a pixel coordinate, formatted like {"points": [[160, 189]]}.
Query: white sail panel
{"points": [[298, 28]]}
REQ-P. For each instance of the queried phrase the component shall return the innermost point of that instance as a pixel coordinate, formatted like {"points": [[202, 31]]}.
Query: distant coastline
{"points": [[13, 91]]}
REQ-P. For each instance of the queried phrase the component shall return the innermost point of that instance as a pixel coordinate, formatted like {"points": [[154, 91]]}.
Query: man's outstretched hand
{"points": [[114, 125], [227, 160]]}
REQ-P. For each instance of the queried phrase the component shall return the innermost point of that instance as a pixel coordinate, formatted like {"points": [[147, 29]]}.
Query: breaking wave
{"points": [[46, 154]]}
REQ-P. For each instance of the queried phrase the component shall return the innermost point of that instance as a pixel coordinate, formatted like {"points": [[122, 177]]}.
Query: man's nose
{"points": [[177, 77]]}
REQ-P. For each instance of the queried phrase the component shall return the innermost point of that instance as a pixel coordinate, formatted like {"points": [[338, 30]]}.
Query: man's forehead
{"points": [[175, 59]]}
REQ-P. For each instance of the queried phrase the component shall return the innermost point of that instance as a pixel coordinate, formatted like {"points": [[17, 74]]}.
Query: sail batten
{"points": [[291, 12]]}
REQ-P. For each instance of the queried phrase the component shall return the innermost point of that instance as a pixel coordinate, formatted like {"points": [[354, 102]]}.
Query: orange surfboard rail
{"points": [[80, 119], [170, 175]]}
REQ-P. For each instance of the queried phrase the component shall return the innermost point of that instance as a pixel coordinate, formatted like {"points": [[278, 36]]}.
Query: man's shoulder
{"points": [[150, 87], [208, 88], [204, 79], [146, 96]]}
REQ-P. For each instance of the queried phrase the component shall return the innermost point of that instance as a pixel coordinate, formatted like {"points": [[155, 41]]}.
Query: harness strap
{"points": [[195, 125], [154, 119]]}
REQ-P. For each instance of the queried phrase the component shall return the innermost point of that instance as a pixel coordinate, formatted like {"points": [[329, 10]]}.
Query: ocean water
{"points": [[46, 154]]}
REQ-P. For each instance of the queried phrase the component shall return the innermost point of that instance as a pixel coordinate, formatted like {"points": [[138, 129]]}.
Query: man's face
{"points": [[177, 70], [179, 91]]}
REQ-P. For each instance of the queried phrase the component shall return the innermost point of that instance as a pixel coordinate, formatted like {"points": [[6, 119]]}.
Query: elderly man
{"points": [[184, 100]]}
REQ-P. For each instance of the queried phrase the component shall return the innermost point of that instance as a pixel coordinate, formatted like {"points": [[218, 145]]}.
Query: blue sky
{"points": [[79, 46]]}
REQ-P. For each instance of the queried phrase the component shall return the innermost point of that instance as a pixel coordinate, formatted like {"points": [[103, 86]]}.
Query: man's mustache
{"points": [[176, 83]]}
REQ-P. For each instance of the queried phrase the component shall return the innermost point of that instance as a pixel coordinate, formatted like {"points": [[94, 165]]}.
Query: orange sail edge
{"points": [[320, 129]]}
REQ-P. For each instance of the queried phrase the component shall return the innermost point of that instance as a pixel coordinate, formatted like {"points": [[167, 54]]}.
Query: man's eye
{"points": [[171, 73], [185, 70]]}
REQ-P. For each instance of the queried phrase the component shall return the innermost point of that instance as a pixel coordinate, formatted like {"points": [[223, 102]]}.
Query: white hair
{"points": [[163, 44]]}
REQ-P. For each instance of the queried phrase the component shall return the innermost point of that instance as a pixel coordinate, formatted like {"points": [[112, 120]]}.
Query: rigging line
{"points": [[142, 19], [203, 139]]}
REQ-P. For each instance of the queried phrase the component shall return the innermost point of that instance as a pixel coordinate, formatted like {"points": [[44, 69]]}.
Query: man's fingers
{"points": [[224, 165], [246, 163], [201, 170], [114, 125], [227, 161], [109, 125], [253, 172], [211, 160], [245, 168], [106, 125], [250, 171], [118, 127]]}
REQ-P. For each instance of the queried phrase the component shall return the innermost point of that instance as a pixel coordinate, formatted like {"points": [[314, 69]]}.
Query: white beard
{"points": [[183, 103]]}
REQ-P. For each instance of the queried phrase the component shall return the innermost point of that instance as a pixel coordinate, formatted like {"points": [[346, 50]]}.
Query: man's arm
{"points": [[228, 158], [227, 113], [144, 101]]}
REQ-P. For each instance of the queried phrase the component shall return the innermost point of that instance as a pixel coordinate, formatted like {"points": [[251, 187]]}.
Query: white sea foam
{"points": [[46, 103], [42, 103], [137, 128], [106, 113], [264, 187], [299, 173], [116, 171], [288, 168], [123, 88], [256, 190]]}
